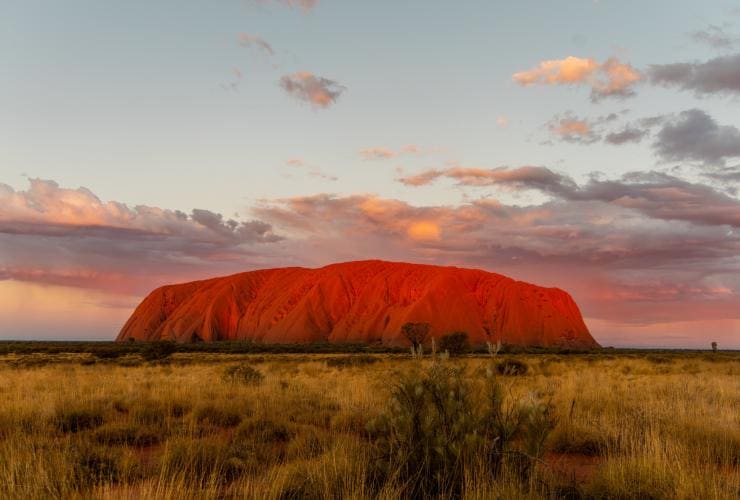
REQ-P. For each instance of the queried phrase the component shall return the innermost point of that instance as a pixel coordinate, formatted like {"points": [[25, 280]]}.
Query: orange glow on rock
{"points": [[364, 301]]}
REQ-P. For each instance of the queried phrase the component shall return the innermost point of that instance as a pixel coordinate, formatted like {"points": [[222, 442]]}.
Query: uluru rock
{"points": [[365, 301]]}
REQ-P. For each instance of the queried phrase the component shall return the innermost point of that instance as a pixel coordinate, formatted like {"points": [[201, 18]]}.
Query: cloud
{"points": [[569, 128], [641, 249], [610, 79], [720, 75], [377, 153], [714, 36], [695, 136], [627, 135], [554, 72], [234, 84], [320, 92], [423, 231], [526, 177], [248, 40], [300, 4], [295, 162], [321, 175], [381, 153], [304, 5], [56, 235], [654, 194]]}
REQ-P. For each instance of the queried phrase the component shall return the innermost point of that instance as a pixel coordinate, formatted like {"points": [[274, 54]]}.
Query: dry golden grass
{"points": [[626, 427]]}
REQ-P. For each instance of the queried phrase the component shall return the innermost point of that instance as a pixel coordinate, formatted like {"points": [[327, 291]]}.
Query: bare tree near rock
{"points": [[416, 333]]}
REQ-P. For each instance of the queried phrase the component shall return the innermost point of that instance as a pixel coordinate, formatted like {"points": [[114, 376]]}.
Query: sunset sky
{"points": [[592, 145]]}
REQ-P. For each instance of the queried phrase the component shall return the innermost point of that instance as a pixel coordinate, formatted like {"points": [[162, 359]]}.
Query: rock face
{"points": [[365, 301]]}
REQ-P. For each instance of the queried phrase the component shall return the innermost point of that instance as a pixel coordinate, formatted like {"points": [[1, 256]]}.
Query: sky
{"points": [[589, 145]]}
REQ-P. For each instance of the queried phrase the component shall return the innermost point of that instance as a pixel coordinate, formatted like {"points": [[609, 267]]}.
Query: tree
{"points": [[714, 346], [455, 343], [416, 333]]}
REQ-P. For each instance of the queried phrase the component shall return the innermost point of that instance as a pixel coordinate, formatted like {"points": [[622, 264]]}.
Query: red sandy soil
{"points": [[364, 301]]}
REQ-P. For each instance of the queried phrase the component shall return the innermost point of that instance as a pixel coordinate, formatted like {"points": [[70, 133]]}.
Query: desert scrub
{"points": [[581, 439], [75, 418], [435, 432], [243, 374], [122, 434], [512, 367], [220, 414], [455, 343], [200, 461], [640, 477], [159, 350], [96, 464], [158, 412], [651, 432], [352, 360]]}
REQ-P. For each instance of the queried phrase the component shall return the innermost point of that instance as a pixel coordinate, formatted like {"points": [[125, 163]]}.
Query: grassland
{"points": [[91, 424]]}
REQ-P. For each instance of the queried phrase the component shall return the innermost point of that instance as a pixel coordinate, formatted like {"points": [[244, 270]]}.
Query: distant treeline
{"points": [[115, 349]]}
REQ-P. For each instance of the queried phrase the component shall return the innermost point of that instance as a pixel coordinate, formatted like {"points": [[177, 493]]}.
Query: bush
{"points": [[243, 374], [416, 333], [511, 367], [345, 361], [265, 430], [659, 360], [201, 460], [154, 412], [108, 353], [159, 350], [78, 419], [434, 433], [455, 343], [127, 434], [95, 465], [218, 416]]}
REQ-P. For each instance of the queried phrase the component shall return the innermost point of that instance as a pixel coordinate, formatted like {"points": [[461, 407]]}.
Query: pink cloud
{"points": [[319, 91], [608, 79], [380, 153], [70, 237], [305, 5], [643, 250], [249, 40]]}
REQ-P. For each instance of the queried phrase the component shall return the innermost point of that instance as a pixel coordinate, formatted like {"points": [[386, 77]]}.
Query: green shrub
{"points": [[435, 433], [243, 374], [455, 343]]}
